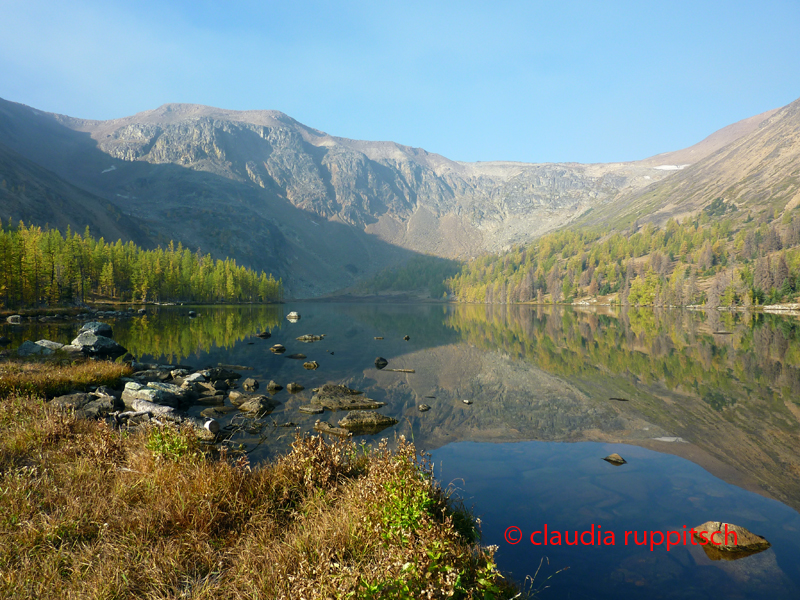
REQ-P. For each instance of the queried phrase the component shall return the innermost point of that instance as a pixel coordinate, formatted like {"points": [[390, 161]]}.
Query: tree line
{"points": [[43, 267]]}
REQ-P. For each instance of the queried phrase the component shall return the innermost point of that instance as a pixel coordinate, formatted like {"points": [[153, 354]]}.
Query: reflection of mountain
{"points": [[733, 397]]}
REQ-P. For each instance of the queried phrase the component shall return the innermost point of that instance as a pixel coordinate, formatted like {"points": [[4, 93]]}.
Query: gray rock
{"points": [[381, 362], [311, 410], [192, 314], [97, 328], [29, 348], [14, 319], [274, 387], [250, 384], [340, 397], [50, 345], [293, 316], [293, 388], [423, 408], [97, 345]]}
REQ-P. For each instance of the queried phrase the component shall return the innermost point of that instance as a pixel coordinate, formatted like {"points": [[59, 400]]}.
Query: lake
{"points": [[705, 409]]}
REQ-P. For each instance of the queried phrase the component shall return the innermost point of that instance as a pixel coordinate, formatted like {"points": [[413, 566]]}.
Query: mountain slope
{"points": [[756, 172]]}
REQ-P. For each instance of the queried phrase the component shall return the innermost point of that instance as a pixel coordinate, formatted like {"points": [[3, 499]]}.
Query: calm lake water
{"points": [[704, 408]]}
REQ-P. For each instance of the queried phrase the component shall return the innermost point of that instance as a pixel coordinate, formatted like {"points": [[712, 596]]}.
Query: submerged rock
{"points": [[381, 362], [274, 387], [423, 408], [250, 384], [278, 349], [298, 356], [325, 427], [341, 397], [311, 410], [309, 338], [264, 335], [311, 365], [366, 420], [293, 388]]}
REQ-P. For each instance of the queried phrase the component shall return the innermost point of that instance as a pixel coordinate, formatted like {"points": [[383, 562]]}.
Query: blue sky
{"points": [[534, 81]]}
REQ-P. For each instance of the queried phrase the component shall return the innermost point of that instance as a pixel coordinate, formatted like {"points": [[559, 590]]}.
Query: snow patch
{"points": [[671, 167], [113, 168], [673, 440]]}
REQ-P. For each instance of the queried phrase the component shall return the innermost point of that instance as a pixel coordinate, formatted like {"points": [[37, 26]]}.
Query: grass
{"points": [[88, 512], [56, 376]]}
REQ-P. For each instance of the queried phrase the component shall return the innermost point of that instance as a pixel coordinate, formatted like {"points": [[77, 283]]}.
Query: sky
{"points": [[531, 81]]}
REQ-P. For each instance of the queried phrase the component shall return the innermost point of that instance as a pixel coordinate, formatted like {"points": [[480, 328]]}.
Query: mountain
{"points": [[755, 173], [322, 212]]}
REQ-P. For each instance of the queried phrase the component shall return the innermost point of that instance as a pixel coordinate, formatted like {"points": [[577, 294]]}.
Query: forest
{"points": [[713, 259], [44, 267]]}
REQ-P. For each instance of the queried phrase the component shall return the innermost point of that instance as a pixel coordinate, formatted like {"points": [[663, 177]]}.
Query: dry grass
{"points": [[56, 376], [89, 512]]}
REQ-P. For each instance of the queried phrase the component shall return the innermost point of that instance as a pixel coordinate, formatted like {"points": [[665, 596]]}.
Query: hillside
{"points": [[757, 172]]}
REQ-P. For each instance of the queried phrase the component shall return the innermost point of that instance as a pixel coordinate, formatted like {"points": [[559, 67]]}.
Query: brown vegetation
{"points": [[90, 512], [56, 376]]}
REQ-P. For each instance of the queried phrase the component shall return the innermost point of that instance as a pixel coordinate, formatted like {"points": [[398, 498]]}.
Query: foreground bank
{"points": [[89, 511]]}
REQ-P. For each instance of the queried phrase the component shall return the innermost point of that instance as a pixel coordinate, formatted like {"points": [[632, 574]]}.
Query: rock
{"points": [[340, 397], [264, 335], [97, 328], [615, 459], [366, 420], [259, 404], [278, 349], [311, 410], [71, 350], [211, 400], [293, 316], [88, 406], [140, 405], [97, 345], [158, 393], [250, 384], [142, 311], [739, 542], [467, 402], [29, 348], [297, 356], [192, 314], [309, 338], [381, 362], [424, 408], [406, 338], [179, 373], [274, 387], [220, 385], [311, 365], [218, 373], [193, 378], [377, 337], [212, 412], [325, 427], [4, 341], [14, 319], [50, 345], [152, 375], [294, 388], [238, 398]]}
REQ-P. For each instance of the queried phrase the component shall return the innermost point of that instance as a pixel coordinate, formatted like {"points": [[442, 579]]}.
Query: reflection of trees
{"points": [[170, 335], [677, 348]]}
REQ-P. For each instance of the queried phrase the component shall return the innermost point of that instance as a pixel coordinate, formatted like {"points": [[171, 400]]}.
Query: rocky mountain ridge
{"points": [[320, 211]]}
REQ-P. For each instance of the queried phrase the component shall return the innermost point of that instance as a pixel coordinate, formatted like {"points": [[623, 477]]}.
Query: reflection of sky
{"points": [[570, 488]]}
